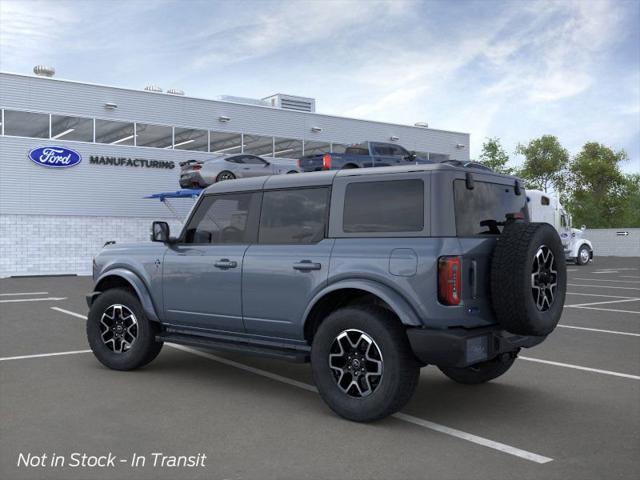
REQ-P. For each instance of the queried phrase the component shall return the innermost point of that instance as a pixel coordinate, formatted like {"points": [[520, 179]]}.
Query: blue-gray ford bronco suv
{"points": [[369, 274]]}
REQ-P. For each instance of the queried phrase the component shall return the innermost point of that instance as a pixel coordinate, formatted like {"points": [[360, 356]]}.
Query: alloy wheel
{"points": [[544, 278], [118, 328], [584, 255], [356, 363]]}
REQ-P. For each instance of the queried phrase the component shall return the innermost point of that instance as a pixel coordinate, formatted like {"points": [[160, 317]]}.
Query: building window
{"points": [[191, 139], [157, 136], [388, 206], [225, 143], [287, 148], [338, 148], [26, 124], [71, 128], [294, 216], [438, 157], [114, 133], [258, 145], [316, 148]]}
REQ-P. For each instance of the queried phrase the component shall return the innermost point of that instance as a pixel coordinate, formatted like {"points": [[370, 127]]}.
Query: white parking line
{"points": [[603, 286], [23, 293], [632, 299], [607, 280], [596, 295], [47, 299], [579, 367], [74, 314], [610, 310], [600, 330], [40, 355], [533, 457]]}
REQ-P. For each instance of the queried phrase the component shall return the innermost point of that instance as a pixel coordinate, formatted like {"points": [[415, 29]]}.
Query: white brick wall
{"points": [[607, 242], [49, 245]]}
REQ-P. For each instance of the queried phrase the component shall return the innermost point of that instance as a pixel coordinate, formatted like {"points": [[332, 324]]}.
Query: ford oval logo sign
{"points": [[55, 157]]}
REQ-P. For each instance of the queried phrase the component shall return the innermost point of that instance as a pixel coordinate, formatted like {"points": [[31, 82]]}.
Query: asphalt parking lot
{"points": [[569, 408]]}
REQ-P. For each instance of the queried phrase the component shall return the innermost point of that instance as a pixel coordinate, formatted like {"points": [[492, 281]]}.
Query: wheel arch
{"points": [[344, 293], [122, 278]]}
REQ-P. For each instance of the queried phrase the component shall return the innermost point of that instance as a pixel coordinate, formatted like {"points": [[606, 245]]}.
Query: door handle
{"points": [[225, 263], [306, 265]]}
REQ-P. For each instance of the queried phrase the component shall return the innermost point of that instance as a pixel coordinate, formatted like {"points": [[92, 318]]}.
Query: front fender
{"points": [[398, 304], [137, 284]]}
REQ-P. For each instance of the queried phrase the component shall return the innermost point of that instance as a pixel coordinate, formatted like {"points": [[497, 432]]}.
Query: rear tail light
{"points": [[326, 162], [449, 280]]}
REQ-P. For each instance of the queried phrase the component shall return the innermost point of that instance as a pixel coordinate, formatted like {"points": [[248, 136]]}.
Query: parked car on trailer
{"points": [[202, 173], [545, 208], [366, 154], [370, 274]]}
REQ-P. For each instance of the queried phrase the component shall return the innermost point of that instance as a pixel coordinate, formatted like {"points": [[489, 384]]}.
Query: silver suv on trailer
{"points": [[370, 274]]}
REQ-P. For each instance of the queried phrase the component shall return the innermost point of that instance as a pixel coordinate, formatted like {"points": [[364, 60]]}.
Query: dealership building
{"points": [[77, 159]]}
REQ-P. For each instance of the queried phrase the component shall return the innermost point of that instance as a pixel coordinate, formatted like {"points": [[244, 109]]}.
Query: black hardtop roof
{"points": [[312, 179]]}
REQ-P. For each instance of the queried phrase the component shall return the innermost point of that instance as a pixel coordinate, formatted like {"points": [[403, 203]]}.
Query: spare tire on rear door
{"points": [[528, 278]]}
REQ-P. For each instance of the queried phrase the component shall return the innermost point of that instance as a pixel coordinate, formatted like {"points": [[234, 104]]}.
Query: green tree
{"points": [[545, 163], [495, 157], [631, 206], [599, 193]]}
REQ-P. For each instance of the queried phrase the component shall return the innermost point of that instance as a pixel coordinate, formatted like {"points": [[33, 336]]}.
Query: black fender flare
{"points": [[136, 283], [396, 302]]}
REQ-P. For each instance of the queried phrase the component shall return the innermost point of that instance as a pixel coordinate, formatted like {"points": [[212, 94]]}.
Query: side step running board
{"points": [[287, 354]]}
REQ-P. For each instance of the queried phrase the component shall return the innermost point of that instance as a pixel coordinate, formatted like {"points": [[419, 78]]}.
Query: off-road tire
{"points": [[479, 373], [512, 293], [400, 369], [145, 347]]}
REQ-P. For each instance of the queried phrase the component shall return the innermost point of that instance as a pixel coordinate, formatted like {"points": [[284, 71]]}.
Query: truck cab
{"points": [[548, 209]]}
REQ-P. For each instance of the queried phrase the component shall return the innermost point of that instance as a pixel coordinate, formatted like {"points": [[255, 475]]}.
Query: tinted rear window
{"points": [[391, 206], [487, 203]]}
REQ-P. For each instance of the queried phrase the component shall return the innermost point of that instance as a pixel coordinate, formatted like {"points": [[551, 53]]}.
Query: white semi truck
{"points": [[545, 208]]}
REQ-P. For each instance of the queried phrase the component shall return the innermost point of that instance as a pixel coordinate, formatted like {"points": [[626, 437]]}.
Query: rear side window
{"points": [[356, 151], [390, 206], [227, 218], [479, 211], [294, 216]]}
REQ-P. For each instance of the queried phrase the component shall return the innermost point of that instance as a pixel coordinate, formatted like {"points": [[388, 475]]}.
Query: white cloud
{"points": [[30, 29]]}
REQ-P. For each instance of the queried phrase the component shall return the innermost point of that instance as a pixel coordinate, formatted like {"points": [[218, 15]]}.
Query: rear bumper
{"points": [[192, 179], [459, 347]]}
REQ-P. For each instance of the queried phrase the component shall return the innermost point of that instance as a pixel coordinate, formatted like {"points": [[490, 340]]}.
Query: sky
{"points": [[509, 69]]}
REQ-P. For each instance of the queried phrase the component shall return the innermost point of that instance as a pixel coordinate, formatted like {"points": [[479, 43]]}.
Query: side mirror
{"points": [[160, 232]]}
